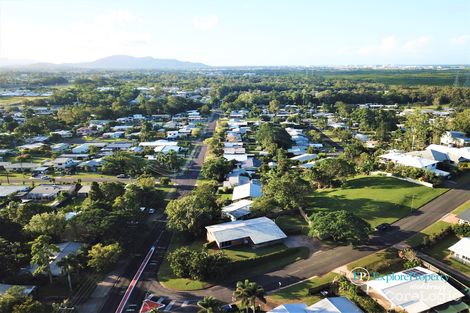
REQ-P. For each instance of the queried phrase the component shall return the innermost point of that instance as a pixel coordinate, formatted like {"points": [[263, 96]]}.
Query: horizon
{"points": [[238, 34]]}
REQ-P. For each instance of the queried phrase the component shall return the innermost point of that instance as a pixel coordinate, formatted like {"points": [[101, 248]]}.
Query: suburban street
{"points": [[185, 182]]}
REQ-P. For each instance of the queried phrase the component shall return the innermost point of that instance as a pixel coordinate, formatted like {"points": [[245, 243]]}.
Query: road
{"points": [[318, 263], [323, 262], [146, 283]]}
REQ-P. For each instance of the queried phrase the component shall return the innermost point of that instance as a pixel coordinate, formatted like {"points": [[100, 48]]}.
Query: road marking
{"points": [[136, 278], [168, 307]]}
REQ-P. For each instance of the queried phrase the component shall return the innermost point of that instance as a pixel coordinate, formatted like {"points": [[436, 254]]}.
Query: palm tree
{"points": [[209, 305], [3, 169], [68, 264], [247, 292]]}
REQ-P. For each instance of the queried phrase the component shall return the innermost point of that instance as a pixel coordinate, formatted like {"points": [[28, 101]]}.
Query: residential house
{"points": [[86, 131], [461, 250], [63, 163], [50, 192], [238, 210], [327, 305], [60, 147], [250, 190], [418, 290], [304, 157], [85, 148], [84, 191], [405, 159], [65, 249], [7, 190], [91, 165], [255, 232], [32, 146], [27, 290], [62, 133], [455, 138]]}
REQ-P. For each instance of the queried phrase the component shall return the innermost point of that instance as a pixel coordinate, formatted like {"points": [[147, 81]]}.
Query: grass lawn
{"points": [[462, 208], [385, 261], [292, 224], [440, 251], [376, 199], [299, 292], [435, 228]]}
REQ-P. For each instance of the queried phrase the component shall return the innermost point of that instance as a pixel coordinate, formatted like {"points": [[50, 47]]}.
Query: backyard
{"points": [[376, 199]]}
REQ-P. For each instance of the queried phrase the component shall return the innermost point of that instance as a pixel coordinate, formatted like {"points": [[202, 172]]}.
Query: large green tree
{"points": [[42, 252], [248, 292], [272, 137], [339, 226]]}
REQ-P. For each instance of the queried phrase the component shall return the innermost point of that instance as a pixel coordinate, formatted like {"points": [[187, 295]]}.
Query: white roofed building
{"points": [[429, 290], [237, 210], [461, 250], [255, 232], [250, 190]]}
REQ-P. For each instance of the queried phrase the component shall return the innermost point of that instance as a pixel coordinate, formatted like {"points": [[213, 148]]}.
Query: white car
{"points": [[151, 211]]}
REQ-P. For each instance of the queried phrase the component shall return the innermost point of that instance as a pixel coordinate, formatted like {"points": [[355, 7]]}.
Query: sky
{"points": [[239, 32]]}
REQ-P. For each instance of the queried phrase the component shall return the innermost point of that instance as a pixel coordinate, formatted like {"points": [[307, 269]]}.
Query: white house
{"points": [[405, 159], [304, 157], [63, 133], [455, 138], [327, 305], [250, 190], [255, 232], [429, 290], [172, 134], [461, 250], [63, 163], [237, 210], [60, 147]]}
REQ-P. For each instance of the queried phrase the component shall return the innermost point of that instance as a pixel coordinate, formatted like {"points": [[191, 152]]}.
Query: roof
{"points": [[408, 160], [304, 157], [46, 190], [461, 247], [250, 190], [334, 305], [238, 209], [27, 289], [290, 308], [5, 191], [429, 290], [465, 215], [259, 230]]}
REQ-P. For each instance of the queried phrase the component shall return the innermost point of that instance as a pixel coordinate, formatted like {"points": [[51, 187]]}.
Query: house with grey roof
{"points": [[50, 192], [255, 232], [327, 305]]}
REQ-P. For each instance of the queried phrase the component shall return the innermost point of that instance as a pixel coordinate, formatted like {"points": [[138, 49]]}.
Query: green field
{"points": [[402, 77], [376, 199], [462, 208], [6, 101]]}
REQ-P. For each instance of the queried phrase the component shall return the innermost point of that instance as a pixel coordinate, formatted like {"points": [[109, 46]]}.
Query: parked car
{"points": [[151, 211], [45, 177], [383, 227], [121, 176]]}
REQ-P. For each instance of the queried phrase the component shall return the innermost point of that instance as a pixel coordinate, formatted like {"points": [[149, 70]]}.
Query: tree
{"points": [[461, 121], [42, 252], [123, 163], [179, 261], [339, 226], [216, 168], [68, 264], [331, 171], [273, 137], [95, 193], [102, 258], [194, 211], [288, 191], [247, 292], [209, 304], [14, 300], [274, 106], [51, 224]]}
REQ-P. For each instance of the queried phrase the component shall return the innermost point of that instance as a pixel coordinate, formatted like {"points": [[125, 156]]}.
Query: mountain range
{"points": [[115, 62]]}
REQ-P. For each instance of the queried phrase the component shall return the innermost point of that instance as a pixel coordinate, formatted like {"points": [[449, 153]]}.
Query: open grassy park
{"points": [[376, 199]]}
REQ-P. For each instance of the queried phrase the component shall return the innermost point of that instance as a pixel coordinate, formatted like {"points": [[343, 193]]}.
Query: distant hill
{"points": [[115, 62], [129, 62]]}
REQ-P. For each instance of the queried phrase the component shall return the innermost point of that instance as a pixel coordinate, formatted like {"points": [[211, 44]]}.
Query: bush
{"points": [[165, 181], [462, 230]]}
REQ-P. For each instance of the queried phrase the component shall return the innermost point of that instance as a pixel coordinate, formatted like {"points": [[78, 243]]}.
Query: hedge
{"points": [[243, 264]]}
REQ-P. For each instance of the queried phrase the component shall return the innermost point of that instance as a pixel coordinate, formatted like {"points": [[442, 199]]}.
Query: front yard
{"points": [[374, 198], [275, 256]]}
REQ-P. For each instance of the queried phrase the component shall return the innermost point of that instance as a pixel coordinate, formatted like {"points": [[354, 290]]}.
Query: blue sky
{"points": [[242, 32]]}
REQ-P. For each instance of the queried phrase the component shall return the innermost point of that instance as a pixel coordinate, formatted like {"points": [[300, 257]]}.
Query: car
{"points": [[383, 227], [230, 308], [121, 176], [45, 177], [151, 211]]}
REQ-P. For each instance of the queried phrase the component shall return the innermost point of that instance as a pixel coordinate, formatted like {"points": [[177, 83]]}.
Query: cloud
{"points": [[460, 40], [391, 45], [205, 22]]}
